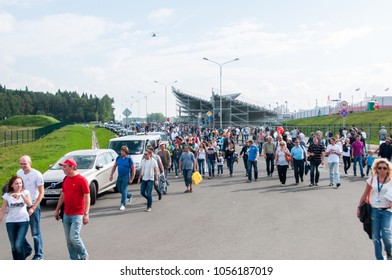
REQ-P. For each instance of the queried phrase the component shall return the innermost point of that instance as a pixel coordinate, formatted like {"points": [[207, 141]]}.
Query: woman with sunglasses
{"points": [[376, 188], [281, 161]]}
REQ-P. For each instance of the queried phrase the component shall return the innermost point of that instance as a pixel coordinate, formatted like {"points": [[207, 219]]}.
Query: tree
{"points": [[155, 117]]}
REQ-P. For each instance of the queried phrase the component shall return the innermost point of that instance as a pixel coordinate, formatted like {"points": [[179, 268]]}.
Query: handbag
{"points": [[307, 168], [196, 178], [365, 214], [288, 157]]}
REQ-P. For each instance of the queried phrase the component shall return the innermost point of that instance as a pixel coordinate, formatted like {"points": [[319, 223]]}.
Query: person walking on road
{"points": [[126, 175], [33, 182], [212, 158], [298, 154], [148, 177], [357, 153], [346, 155], [333, 152], [253, 154], [244, 155], [75, 195], [269, 150], [281, 162], [379, 189], [385, 149], [176, 158], [230, 154], [188, 166], [16, 199], [316, 154], [164, 154]]}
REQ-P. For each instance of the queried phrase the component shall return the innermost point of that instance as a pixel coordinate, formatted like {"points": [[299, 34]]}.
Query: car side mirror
{"points": [[99, 166]]}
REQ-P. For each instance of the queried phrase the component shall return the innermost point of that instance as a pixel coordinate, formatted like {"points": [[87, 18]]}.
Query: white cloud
{"points": [[7, 23], [161, 16], [22, 3], [344, 37], [61, 34]]}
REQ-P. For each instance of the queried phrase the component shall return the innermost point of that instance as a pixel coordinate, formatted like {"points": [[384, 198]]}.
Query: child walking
{"points": [[369, 159], [220, 163]]}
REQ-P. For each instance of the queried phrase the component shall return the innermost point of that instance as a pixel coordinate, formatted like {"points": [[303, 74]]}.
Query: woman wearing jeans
{"points": [[16, 199], [376, 189], [201, 158]]}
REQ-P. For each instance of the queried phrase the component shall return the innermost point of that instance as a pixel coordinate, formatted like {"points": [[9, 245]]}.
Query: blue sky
{"points": [[294, 51]]}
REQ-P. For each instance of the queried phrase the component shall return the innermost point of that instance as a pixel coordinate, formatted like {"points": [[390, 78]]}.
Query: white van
{"points": [[136, 144]]}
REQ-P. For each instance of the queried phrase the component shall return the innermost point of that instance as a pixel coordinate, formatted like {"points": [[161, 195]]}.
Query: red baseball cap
{"points": [[70, 162]]}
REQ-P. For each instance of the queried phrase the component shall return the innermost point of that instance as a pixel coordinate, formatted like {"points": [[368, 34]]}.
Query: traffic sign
{"points": [[343, 104], [127, 113], [209, 113], [343, 113]]}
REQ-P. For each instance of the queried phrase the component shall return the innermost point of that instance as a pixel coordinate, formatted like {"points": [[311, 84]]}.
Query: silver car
{"points": [[94, 164]]}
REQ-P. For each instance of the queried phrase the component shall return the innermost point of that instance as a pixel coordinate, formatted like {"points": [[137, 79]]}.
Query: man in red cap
{"points": [[75, 195]]}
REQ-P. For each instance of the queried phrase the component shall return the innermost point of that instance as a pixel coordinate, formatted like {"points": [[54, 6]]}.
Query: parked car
{"points": [[136, 144], [162, 136], [94, 164]]}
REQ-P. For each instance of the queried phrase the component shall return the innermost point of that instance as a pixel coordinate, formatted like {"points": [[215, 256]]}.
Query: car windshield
{"points": [[83, 162], [135, 146]]}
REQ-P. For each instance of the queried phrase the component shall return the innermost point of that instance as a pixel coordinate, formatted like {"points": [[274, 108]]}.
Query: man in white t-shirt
{"points": [[33, 182], [334, 152], [148, 176]]}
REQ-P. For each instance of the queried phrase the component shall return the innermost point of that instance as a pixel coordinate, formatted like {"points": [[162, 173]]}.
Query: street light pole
{"points": [[145, 96], [286, 108], [138, 107], [165, 85], [220, 83]]}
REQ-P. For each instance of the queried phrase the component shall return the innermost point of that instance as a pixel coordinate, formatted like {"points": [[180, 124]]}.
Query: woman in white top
{"points": [[281, 161], [16, 199], [379, 189], [201, 158]]}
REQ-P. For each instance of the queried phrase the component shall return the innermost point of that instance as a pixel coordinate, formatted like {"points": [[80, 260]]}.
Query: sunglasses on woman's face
{"points": [[382, 167]]}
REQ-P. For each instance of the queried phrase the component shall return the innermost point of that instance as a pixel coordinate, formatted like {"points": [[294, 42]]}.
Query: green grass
{"points": [[28, 121], [375, 118], [103, 136], [49, 149], [370, 121]]}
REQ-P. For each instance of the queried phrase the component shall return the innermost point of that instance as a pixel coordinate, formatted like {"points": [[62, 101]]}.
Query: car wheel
{"points": [[93, 193], [43, 202]]}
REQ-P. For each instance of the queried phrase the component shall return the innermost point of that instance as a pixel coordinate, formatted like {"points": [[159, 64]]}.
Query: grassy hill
{"points": [[28, 121], [374, 118], [370, 121]]}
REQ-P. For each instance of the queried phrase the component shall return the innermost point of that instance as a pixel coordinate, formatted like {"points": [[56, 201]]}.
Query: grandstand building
{"points": [[198, 111]]}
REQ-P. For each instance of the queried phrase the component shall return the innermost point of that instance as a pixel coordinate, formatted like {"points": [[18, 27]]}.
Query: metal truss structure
{"points": [[235, 113]]}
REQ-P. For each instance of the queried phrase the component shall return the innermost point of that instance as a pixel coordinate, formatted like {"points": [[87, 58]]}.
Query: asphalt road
{"points": [[224, 218]]}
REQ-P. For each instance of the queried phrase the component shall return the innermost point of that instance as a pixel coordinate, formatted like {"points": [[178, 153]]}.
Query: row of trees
{"points": [[63, 105]]}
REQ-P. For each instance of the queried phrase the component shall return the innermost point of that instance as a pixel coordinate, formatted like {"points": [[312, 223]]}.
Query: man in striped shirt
{"points": [[316, 157]]}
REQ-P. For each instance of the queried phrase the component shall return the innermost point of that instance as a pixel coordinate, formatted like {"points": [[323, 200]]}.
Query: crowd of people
{"points": [[207, 151]]}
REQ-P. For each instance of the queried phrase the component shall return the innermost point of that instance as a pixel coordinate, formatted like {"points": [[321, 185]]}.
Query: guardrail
{"points": [[15, 137]]}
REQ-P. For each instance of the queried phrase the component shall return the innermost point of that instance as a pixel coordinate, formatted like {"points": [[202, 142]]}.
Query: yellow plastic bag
{"points": [[196, 178]]}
